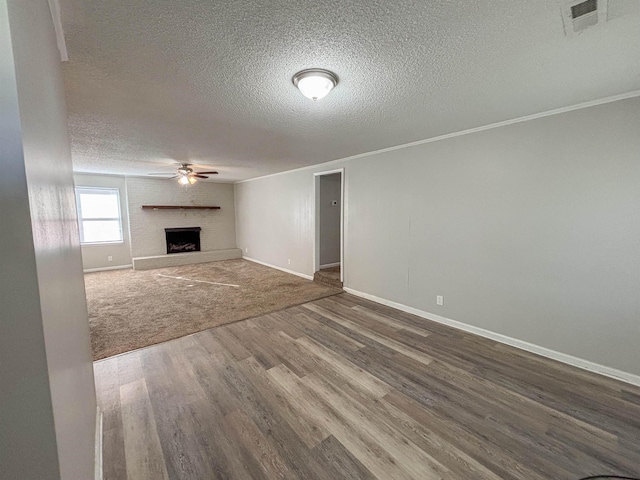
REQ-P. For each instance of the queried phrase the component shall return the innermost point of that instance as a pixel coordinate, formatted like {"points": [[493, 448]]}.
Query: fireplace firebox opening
{"points": [[183, 240]]}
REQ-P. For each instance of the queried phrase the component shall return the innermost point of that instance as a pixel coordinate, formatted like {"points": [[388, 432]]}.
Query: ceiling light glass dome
{"points": [[315, 83]]}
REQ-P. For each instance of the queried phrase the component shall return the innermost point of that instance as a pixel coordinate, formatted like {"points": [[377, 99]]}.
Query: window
{"points": [[99, 215]]}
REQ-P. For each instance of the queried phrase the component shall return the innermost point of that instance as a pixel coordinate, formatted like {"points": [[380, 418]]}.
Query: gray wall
{"points": [[530, 230], [330, 186], [147, 226], [96, 256], [275, 219], [47, 400]]}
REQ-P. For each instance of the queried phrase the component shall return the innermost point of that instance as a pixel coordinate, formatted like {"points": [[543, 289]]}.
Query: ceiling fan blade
{"points": [[197, 175], [207, 173], [164, 173]]}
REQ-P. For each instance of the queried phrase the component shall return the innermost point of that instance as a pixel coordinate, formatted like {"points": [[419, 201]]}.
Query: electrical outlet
{"points": [[246, 250], [109, 258], [440, 300], [289, 261]]}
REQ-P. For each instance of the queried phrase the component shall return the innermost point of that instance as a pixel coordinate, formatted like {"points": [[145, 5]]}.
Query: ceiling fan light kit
{"points": [[186, 175], [187, 179], [315, 83]]}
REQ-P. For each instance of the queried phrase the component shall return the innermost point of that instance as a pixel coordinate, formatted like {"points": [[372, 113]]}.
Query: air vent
{"points": [[579, 16], [584, 8]]}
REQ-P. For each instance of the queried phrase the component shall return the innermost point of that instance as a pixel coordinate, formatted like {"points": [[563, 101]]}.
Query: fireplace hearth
{"points": [[183, 240]]}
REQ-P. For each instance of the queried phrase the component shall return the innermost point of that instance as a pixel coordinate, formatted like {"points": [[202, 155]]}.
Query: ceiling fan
{"points": [[186, 175]]}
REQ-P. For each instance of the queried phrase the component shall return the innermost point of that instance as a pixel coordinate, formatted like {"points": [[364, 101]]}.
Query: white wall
{"points": [[530, 230], [147, 226], [96, 255], [330, 191], [47, 402], [26, 414]]}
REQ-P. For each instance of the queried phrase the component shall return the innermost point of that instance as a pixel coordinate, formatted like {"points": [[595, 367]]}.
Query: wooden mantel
{"points": [[179, 207]]}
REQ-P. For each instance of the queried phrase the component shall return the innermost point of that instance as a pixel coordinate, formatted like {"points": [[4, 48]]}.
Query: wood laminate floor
{"points": [[346, 388]]}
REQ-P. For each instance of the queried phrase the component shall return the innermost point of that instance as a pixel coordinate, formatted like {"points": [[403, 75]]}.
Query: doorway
{"points": [[329, 227]]}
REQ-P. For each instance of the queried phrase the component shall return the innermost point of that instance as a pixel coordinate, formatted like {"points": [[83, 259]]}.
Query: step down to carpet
{"points": [[328, 276]]}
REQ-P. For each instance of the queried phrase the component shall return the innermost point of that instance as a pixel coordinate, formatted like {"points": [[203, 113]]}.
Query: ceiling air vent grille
{"points": [[578, 16], [584, 8]]}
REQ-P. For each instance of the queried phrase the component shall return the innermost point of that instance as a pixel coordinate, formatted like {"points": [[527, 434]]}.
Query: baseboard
{"points": [[329, 265], [104, 269], [308, 277], [98, 453], [514, 342]]}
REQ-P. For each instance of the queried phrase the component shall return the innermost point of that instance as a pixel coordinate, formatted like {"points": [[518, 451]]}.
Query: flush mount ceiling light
{"points": [[315, 83]]}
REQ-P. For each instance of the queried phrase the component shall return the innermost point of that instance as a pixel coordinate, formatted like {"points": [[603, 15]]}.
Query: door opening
{"points": [[329, 227]]}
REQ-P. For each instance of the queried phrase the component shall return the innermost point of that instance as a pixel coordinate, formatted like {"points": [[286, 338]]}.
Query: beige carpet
{"points": [[131, 309]]}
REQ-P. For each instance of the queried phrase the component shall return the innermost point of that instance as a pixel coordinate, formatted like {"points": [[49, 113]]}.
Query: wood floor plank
{"points": [[368, 322], [345, 368], [145, 460], [308, 324], [361, 445], [259, 447], [232, 344], [492, 456], [176, 421], [129, 368], [282, 346], [451, 457], [481, 416], [247, 380], [346, 388], [388, 342], [296, 354], [418, 322], [512, 400], [108, 392], [280, 323], [219, 453], [338, 461], [387, 320], [208, 402], [253, 340], [307, 431], [413, 460]]}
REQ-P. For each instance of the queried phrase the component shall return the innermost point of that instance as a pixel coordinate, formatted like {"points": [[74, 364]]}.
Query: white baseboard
{"points": [[98, 453], [514, 342], [308, 277], [104, 269], [329, 265]]}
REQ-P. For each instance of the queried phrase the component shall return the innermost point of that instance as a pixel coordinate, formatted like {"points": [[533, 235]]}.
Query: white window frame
{"points": [[81, 220]]}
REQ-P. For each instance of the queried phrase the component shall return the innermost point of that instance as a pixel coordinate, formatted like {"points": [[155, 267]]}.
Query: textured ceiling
{"points": [[153, 82]]}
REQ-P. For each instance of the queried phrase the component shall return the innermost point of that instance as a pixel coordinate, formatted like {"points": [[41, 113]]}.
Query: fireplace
{"points": [[182, 240]]}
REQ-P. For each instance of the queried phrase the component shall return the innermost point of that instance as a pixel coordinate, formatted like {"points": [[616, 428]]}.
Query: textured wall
{"points": [[330, 186], [529, 230], [147, 226], [95, 256], [42, 170]]}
